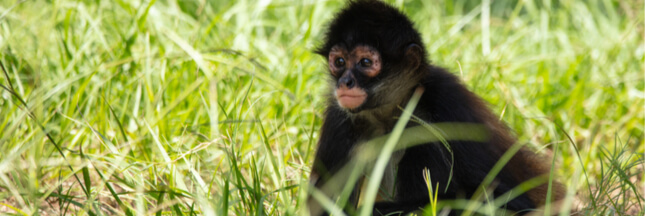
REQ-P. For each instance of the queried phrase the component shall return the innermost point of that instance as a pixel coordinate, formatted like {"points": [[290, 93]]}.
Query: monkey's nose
{"points": [[347, 81]]}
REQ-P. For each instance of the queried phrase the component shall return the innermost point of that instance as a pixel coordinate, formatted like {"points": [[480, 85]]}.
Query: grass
{"points": [[213, 108]]}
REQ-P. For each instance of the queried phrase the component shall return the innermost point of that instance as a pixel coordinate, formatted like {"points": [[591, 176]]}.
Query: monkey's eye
{"points": [[340, 62], [365, 62]]}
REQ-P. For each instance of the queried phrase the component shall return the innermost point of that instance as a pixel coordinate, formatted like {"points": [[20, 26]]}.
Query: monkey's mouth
{"points": [[350, 100]]}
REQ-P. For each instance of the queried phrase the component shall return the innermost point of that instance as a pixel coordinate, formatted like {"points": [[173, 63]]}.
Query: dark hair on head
{"points": [[366, 22]]}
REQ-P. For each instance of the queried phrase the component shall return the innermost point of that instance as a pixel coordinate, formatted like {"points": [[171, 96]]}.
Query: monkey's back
{"points": [[446, 99]]}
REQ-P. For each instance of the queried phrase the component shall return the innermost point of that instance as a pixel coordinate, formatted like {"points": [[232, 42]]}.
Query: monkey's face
{"points": [[352, 69], [373, 52]]}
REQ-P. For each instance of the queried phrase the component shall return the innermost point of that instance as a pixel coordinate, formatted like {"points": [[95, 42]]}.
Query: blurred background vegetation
{"points": [[213, 107]]}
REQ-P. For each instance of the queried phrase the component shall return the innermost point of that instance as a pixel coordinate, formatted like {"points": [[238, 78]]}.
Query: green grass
{"points": [[195, 107]]}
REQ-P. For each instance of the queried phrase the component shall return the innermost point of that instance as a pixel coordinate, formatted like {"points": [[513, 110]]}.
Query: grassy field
{"points": [[213, 107]]}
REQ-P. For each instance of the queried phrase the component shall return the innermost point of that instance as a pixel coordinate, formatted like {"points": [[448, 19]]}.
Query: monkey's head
{"points": [[373, 53]]}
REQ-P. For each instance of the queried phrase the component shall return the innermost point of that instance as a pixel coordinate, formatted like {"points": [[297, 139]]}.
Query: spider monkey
{"points": [[376, 60]]}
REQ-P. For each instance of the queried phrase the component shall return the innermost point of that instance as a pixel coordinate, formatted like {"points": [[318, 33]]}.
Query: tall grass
{"points": [[213, 107]]}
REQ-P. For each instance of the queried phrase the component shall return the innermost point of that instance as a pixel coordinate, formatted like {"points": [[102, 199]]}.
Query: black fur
{"points": [[385, 28]]}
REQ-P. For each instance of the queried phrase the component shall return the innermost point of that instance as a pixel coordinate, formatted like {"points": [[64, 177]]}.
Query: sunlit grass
{"points": [[195, 107]]}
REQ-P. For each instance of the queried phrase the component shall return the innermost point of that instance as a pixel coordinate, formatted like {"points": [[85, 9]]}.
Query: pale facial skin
{"points": [[341, 62]]}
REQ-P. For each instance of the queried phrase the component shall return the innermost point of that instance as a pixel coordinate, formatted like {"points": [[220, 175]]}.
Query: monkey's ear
{"points": [[414, 55]]}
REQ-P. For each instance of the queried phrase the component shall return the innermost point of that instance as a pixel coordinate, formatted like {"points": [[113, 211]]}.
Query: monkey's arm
{"points": [[337, 138]]}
